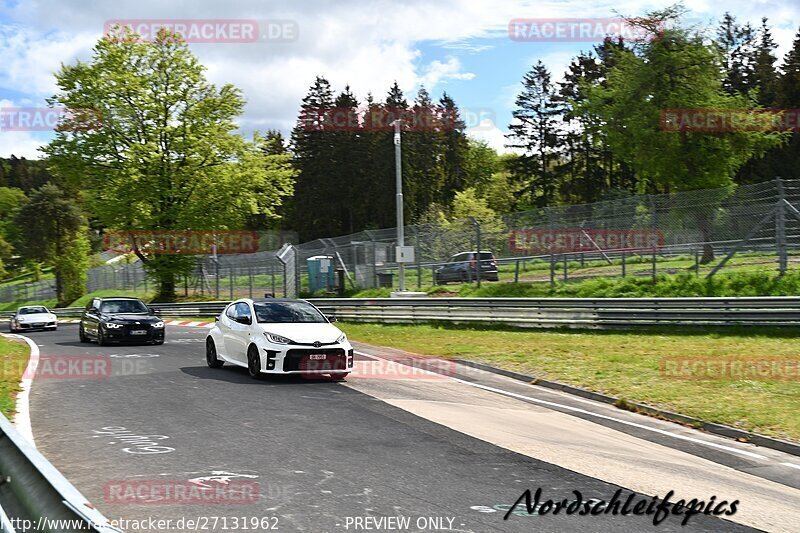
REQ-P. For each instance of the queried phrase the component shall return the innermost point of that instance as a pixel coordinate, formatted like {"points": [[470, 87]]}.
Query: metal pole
{"points": [[780, 228], [399, 180], [623, 264], [478, 251]]}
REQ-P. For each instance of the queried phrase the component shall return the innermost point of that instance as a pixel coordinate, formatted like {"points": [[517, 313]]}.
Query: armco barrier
{"points": [[594, 313], [34, 490]]}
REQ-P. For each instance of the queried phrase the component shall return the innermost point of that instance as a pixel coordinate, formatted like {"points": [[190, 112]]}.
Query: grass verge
{"points": [[626, 365], [14, 357]]}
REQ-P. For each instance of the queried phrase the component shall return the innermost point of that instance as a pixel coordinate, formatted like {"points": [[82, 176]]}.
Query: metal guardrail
{"points": [[571, 312], [36, 496], [535, 312]]}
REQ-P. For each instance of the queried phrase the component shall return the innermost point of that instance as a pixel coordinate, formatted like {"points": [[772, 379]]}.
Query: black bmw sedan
{"points": [[118, 319]]}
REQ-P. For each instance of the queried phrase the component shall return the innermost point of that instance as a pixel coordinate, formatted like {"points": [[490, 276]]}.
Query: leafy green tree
{"points": [[165, 155], [737, 44], [52, 230], [11, 199], [676, 70]]}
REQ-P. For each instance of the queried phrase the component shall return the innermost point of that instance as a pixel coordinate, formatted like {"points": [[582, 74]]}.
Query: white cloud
{"points": [[436, 72]]}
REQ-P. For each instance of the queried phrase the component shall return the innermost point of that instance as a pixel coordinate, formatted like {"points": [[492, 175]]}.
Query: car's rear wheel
{"points": [[253, 362], [211, 355]]}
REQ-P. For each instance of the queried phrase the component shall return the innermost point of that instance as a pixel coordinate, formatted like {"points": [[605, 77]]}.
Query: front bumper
{"points": [[30, 326], [294, 359], [125, 334]]}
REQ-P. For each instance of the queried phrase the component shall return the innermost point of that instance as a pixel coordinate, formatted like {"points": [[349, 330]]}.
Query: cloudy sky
{"points": [[458, 46]]}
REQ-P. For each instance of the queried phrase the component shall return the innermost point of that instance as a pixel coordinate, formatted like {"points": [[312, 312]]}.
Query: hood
{"points": [[305, 333], [36, 317], [130, 317]]}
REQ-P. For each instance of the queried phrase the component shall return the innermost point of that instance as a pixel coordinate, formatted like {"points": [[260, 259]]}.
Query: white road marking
{"points": [[605, 417]]}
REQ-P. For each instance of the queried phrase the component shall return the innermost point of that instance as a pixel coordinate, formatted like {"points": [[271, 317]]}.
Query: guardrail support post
{"points": [[654, 265]]}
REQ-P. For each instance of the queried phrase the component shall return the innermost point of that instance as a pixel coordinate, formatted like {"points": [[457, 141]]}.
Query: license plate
{"points": [[317, 356], [138, 332]]}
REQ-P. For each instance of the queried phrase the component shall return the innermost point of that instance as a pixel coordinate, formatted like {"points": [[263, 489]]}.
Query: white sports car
{"points": [[32, 317], [279, 336]]}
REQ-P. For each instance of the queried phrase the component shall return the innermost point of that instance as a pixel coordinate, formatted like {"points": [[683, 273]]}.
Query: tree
{"points": [[675, 70], [737, 45], [165, 155], [52, 230], [535, 130], [454, 148]]}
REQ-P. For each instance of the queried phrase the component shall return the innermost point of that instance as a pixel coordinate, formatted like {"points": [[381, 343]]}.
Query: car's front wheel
{"points": [[211, 355], [82, 335], [253, 362], [101, 339]]}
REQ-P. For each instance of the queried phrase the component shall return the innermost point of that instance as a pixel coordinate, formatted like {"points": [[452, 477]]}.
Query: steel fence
{"points": [[742, 228]]}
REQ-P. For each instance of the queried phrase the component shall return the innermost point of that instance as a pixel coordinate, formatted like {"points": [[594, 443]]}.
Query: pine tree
{"points": [[423, 174], [535, 130], [312, 153], [737, 44], [454, 148]]}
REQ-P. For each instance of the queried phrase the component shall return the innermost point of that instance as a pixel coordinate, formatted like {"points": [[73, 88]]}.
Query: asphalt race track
{"points": [[450, 455]]}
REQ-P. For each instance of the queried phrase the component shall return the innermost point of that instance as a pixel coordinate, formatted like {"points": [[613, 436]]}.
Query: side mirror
{"points": [[243, 320], [152, 310], [331, 318]]}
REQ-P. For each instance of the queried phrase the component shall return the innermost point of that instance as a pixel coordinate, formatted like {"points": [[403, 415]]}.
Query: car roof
{"points": [[29, 306], [117, 298], [268, 300]]}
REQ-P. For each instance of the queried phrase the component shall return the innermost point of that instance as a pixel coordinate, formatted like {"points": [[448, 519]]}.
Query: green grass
{"points": [[733, 283], [14, 359], [626, 365]]}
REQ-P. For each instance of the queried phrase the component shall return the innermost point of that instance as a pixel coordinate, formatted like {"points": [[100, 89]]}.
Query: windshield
{"points": [[32, 310], [287, 312], [123, 306]]}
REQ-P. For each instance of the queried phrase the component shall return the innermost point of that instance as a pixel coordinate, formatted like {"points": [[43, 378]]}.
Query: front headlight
{"points": [[277, 339], [159, 325], [341, 339], [20, 319], [111, 325]]}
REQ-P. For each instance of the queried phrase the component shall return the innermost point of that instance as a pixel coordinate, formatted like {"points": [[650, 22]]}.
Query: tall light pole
{"points": [[399, 180]]}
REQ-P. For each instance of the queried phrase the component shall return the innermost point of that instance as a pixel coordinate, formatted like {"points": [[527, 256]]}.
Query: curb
{"points": [[710, 427]]}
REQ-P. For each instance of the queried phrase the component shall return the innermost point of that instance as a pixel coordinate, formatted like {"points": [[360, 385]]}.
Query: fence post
{"points": [[231, 273], [581, 259], [654, 264], [417, 257], [516, 272], [216, 263], [552, 269], [696, 262], [250, 279], [565, 266], [478, 251], [623, 264], [780, 227], [272, 273]]}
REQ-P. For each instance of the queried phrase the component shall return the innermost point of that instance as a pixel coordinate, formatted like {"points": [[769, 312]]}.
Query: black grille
{"points": [[335, 359]]}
